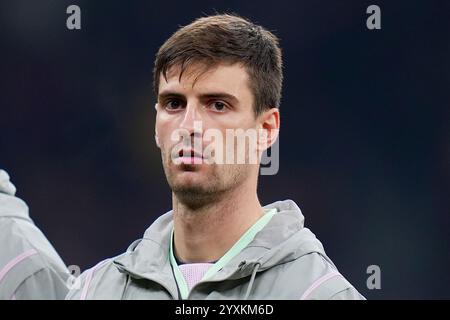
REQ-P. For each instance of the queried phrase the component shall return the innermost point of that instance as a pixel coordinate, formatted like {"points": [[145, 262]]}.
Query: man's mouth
{"points": [[189, 157]]}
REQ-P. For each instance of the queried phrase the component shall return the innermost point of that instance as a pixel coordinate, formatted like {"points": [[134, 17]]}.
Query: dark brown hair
{"points": [[229, 39]]}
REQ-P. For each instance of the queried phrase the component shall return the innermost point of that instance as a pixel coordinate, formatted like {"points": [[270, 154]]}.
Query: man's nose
{"points": [[192, 120]]}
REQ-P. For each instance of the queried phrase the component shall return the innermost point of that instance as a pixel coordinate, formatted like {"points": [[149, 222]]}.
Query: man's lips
{"points": [[189, 154], [189, 157]]}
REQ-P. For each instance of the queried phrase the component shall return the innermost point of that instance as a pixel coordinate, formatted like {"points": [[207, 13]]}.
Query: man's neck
{"points": [[207, 233]]}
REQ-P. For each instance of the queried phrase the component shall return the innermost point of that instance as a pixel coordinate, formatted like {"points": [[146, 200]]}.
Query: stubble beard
{"points": [[222, 180]]}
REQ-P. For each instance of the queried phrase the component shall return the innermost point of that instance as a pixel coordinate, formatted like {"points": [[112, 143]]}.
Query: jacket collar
{"points": [[282, 240]]}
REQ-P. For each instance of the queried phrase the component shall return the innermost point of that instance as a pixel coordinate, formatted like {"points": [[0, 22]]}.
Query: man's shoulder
{"points": [[26, 257], [20, 240], [108, 279], [19, 236], [320, 280], [101, 278]]}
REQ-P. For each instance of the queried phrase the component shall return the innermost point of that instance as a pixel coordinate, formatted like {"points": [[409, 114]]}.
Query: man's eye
{"points": [[173, 104], [218, 106]]}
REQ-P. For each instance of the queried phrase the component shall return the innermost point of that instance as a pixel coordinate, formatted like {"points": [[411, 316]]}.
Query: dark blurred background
{"points": [[364, 145]]}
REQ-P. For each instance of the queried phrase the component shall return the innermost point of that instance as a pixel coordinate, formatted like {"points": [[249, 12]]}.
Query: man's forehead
{"points": [[215, 77]]}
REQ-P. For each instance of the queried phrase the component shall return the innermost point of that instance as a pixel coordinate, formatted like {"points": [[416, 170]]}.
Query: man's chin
{"points": [[194, 195], [186, 179], [195, 189]]}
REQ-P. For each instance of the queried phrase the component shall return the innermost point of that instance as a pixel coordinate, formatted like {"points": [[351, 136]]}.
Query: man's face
{"points": [[219, 99]]}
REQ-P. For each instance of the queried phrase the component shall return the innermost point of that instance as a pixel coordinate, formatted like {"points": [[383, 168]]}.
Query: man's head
{"points": [[227, 39], [220, 72]]}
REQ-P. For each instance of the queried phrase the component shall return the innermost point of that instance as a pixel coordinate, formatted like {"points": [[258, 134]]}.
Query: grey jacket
{"points": [[30, 268], [284, 261]]}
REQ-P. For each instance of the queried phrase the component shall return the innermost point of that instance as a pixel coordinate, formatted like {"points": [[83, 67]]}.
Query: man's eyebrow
{"points": [[210, 95], [220, 95], [170, 94]]}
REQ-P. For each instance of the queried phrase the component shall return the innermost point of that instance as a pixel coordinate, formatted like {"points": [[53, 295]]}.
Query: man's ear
{"points": [[269, 128]]}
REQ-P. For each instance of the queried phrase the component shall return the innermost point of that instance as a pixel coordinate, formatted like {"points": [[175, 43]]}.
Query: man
{"points": [[30, 268], [219, 73]]}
